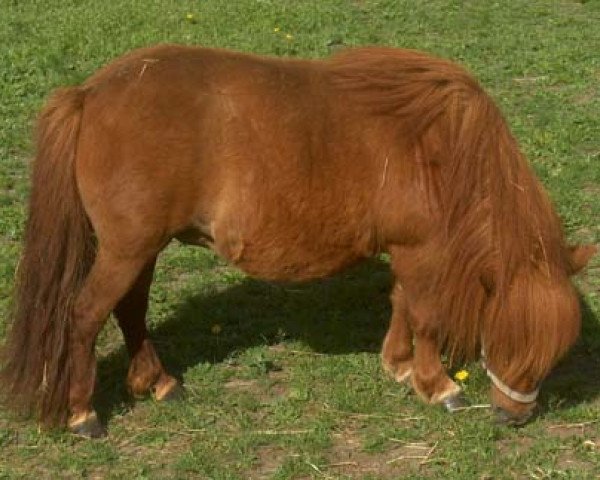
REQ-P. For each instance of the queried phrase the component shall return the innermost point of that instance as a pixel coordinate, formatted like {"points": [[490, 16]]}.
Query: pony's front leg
{"points": [[430, 379], [146, 372], [397, 350], [110, 278]]}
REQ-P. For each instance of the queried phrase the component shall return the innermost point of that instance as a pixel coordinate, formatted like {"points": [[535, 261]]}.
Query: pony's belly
{"points": [[299, 266], [285, 257]]}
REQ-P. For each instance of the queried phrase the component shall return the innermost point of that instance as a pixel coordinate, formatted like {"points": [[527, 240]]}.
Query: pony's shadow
{"points": [[343, 314], [576, 379]]}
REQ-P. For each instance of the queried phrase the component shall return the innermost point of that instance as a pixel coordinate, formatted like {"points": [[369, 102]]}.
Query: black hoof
{"points": [[89, 428], [139, 396], [176, 393], [504, 417], [455, 403]]}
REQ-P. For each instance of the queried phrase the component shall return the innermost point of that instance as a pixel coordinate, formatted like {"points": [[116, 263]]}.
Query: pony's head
{"points": [[531, 324]]}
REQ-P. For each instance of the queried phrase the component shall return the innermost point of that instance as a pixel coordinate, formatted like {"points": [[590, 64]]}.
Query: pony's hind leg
{"points": [[397, 350], [146, 372], [110, 278]]}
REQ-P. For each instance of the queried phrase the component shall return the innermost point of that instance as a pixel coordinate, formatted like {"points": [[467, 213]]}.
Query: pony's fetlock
{"points": [[399, 370], [141, 385], [86, 425], [167, 388], [451, 390], [435, 390]]}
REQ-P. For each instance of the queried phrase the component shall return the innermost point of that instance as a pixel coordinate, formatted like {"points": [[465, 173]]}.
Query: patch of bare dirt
{"points": [[268, 460], [245, 385], [591, 188], [519, 445], [265, 390], [577, 466], [568, 430], [347, 457], [585, 98], [587, 433], [568, 461]]}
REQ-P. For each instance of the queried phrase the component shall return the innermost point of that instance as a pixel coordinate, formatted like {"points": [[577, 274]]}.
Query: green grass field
{"points": [[285, 382]]}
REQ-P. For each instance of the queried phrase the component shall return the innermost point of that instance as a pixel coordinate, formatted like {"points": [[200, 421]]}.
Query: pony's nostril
{"points": [[502, 416]]}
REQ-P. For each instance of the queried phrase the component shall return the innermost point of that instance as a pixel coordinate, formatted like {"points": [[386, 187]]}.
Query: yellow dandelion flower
{"points": [[276, 29], [461, 375], [289, 36], [216, 329]]}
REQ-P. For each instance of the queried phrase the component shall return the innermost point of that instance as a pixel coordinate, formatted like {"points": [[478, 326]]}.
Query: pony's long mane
{"points": [[497, 221]]}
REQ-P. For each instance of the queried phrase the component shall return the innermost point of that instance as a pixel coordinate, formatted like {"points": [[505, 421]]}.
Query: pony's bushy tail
{"points": [[57, 256]]}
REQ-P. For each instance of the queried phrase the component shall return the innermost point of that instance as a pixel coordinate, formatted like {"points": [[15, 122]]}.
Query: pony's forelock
{"points": [[530, 326]]}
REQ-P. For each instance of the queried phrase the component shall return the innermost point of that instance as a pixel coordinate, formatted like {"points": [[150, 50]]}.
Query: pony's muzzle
{"points": [[514, 419], [508, 411]]}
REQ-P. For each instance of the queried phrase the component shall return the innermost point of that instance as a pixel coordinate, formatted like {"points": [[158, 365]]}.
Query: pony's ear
{"points": [[579, 256]]}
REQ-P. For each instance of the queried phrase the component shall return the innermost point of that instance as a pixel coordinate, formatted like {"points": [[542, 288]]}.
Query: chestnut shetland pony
{"points": [[291, 170]]}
